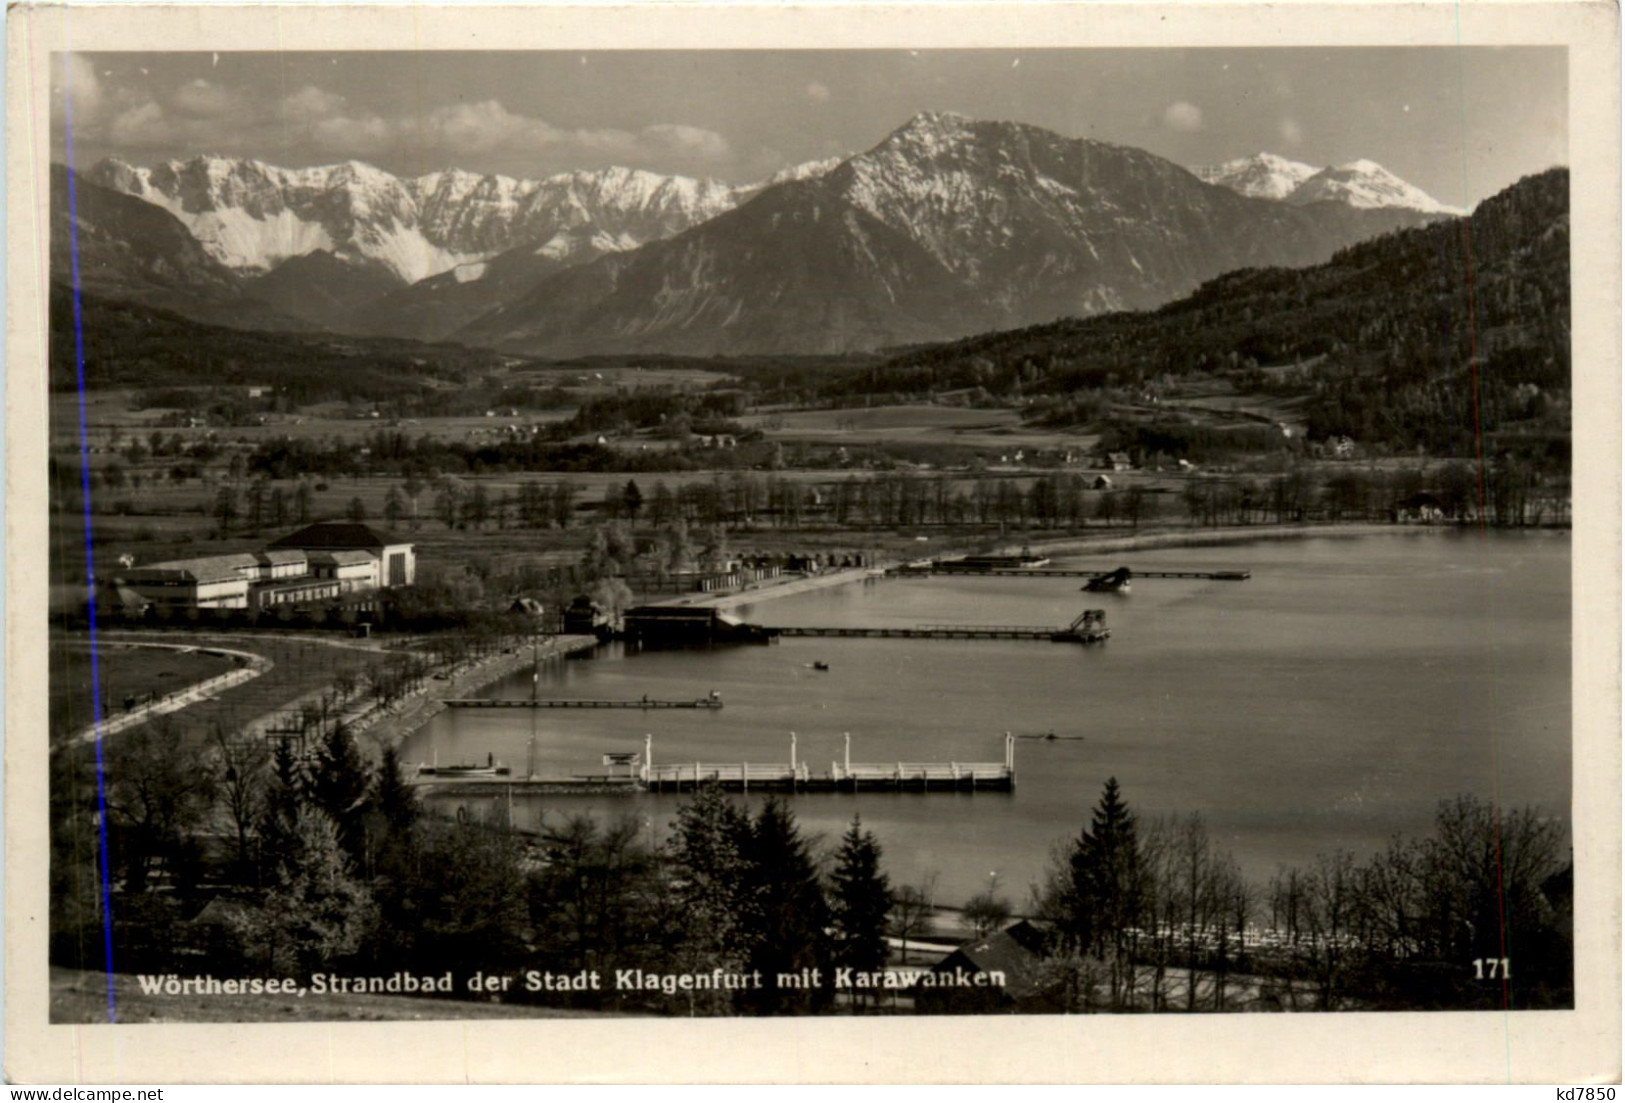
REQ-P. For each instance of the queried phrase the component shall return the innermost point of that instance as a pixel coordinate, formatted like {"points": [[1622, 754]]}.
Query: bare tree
{"points": [[240, 784], [912, 908]]}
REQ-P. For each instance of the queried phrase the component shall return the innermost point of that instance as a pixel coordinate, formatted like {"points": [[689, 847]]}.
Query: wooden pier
{"points": [[643, 775], [901, 777], [1007, 572], [1090, 627], [527, 703], [845, 776]]}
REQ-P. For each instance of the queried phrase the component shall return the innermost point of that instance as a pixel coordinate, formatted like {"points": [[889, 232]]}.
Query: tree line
{"points": [[1156, 917], [268, 862]]}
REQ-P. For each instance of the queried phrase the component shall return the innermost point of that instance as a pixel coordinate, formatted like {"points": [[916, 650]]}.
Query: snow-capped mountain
{"points": [[1362, 184], [947, 226], [1262, 176], [1368, 186], [116, 247], [252, 217]]}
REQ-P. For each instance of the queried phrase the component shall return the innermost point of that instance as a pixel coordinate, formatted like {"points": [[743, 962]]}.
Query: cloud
{"points": [[313, 123], [817, 91], [1291, 132], [1182, 116], [77, 87], [204, 99], [349, 137], [484, 127], [142, 127], [690, 141], [311, 103]]}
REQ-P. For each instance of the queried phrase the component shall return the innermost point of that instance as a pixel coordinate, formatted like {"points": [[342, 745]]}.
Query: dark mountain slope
{"points": [[323, 289], [132, 250], [1385, 338], [797, 269], [133, 345]]}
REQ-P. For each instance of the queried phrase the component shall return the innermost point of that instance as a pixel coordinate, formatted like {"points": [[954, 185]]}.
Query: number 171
{"points": [[1492, 968]]}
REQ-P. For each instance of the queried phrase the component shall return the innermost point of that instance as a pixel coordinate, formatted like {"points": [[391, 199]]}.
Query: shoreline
{"points": [[417, 710], [1218, 537], [1103, 544], [787, 588]]}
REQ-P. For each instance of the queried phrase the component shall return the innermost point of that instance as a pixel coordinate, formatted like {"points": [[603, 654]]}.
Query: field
{"points": [[915, 424], [111, 422], [303, 664], [122, 670]]}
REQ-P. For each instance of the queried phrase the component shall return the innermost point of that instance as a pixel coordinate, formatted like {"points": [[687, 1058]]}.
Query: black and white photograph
{"points": [[874, 533]]}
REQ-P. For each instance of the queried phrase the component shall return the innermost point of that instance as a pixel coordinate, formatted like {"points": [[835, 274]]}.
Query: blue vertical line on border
{"points": [[90, 561]]}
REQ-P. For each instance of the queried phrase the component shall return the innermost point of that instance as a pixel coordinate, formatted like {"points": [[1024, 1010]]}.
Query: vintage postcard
{"points": [[683, 543]]}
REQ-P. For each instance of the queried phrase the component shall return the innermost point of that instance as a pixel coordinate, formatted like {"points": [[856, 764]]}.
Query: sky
{"points": [[1460, 123]]}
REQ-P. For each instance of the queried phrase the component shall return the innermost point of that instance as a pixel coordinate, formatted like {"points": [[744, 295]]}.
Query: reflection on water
{"points": [[1331, 701]]}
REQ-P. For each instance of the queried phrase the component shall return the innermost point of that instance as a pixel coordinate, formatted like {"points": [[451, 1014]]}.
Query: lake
{"points": [[1329, 702]]}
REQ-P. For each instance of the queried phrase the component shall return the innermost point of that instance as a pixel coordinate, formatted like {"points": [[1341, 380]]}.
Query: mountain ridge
{"points": [[1025, 224]]}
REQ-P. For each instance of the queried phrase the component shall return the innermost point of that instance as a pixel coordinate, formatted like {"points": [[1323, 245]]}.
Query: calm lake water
{"points": [[1331, 701]]}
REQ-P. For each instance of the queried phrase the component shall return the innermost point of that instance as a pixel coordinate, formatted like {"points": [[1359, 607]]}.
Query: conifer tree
{"points": [[860, 901], [391, 795], [708, 842], [1106, 892], [320, 913], [339, 787], [284, 798], [787, 917]]}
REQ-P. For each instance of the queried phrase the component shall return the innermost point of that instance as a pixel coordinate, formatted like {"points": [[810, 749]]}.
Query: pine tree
{"points": [[1106, 892], [320, 913], [861, 901], [338, 787], [708, 842], [787, 916], [391, 795]]}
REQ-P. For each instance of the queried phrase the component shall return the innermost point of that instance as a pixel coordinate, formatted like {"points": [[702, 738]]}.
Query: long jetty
{"points": [[588, 703], [793, 776], [844, 776], [1046, 572], [1090, 627]]}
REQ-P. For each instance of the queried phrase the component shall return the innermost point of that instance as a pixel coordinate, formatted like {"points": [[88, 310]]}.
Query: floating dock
{"points": [[845, 776], [527, 703], [794, 776], [901, 777]]}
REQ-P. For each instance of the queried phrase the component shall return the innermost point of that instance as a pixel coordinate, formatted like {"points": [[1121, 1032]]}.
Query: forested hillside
{"points": [[129, 345], [1387, 342]]}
